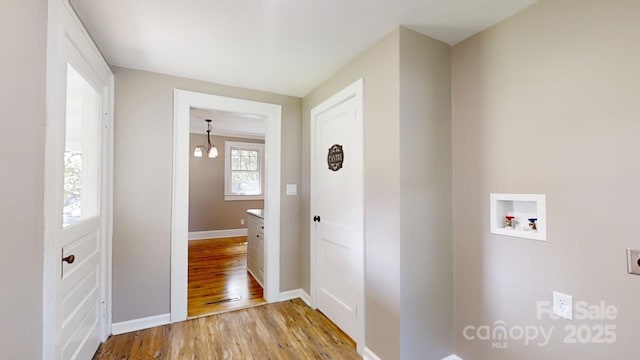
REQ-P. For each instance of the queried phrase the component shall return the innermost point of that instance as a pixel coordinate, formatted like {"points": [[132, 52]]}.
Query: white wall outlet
{"points": [[633, 261], [563, 305], [241, 221]]}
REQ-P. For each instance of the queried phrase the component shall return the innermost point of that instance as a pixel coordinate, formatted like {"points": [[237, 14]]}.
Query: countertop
{"points": [[256, 212]]}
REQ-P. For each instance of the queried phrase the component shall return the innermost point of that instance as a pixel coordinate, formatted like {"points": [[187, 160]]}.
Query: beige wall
{"points": [[143, 181], [379, 68], [207, 208], [23, 25], [408, 240], [426, 249], [549, 102]]}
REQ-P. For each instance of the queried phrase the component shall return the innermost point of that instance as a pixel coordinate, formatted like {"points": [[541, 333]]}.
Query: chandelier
{"points": [[209, 148]]}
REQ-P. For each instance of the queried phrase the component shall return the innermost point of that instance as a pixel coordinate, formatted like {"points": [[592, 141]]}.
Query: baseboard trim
{"points": [[305, 297], [295, 294], [367, 354], [216, 234], [255, 278], [140, 324], [453, 357]]}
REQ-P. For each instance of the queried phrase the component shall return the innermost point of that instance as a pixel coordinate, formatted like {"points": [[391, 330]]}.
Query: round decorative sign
{"points": [[335, 158]]}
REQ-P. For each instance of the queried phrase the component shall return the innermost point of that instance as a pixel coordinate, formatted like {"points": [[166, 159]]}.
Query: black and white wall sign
{"points": [[335, 158]]}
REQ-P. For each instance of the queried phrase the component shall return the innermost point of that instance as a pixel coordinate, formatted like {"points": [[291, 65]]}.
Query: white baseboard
{"points": [[140, 324], [255, 278], [295, 294], [216, 234], [367, 354], [305, 297]]}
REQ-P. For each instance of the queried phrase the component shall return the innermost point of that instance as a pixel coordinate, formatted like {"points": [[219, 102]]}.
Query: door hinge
{"points": [[106, 120], [103, 308]]}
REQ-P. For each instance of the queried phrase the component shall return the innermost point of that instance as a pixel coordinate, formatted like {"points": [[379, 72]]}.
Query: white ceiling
{"points": [[283, 46], [228, 124]]}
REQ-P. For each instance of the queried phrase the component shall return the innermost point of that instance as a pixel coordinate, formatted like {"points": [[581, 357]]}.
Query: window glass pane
{"points": [[245, 182], [82, 149], [244, 159], [235, 160], [253, 161]]}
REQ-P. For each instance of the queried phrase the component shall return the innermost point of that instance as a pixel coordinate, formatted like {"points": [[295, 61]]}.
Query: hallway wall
{"points": [[23, 38], [143, 187], [379, 66], [548, 102], [407, 193]]}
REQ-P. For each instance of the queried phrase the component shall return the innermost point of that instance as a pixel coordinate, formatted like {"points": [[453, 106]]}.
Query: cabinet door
{"points": [[260, 251], [252, 254]]}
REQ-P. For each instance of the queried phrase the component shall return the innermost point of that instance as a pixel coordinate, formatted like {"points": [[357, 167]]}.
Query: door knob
{"points": [[69, 259], [316, 218]]}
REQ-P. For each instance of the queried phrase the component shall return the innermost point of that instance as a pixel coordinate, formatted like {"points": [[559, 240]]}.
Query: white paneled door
{"points": [[77, 229], [337, 210]]}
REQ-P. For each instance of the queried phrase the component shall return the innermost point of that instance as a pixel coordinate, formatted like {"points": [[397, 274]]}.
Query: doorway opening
{"points": [[224, 236], [226, 204]]}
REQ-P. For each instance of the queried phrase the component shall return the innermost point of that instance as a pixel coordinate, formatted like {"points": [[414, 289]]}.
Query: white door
{"points": [[337, 209], [76, 203]]}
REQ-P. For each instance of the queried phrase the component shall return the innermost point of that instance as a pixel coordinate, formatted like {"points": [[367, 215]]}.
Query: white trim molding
{"points": [[183, 101], [453, 357], [367, 354], [296, 294], [140, 324], [216, 234], [236, 134], [305, 297]]}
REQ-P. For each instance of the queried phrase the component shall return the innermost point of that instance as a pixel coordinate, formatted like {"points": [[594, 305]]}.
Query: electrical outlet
{"points": [[563, 305], [633, 261], [241, 221]]}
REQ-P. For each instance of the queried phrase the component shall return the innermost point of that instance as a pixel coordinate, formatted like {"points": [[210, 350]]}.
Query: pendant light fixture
{"points": [[209, 148]]}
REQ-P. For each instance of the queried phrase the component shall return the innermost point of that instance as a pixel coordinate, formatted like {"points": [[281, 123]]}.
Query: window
{"points": [[82, 149], [244, 171]]}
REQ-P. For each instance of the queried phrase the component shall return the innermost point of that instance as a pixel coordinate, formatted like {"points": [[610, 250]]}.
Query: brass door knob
{"points": [[69, 259]]}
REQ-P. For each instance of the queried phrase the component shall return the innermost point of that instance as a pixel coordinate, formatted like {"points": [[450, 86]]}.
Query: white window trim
{"points": [[228, 145]]}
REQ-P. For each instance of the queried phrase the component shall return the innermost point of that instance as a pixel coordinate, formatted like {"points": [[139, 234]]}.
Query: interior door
{"points": [[337, 209], [79, 295], [76, 191]]}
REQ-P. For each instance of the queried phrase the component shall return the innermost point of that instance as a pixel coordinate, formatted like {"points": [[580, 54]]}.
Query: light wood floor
{"points": [[218, 277], [286, 330]]}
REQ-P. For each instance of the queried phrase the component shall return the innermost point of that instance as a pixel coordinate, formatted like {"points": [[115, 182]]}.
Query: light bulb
{"points": [[213, 152], [197, 152]]}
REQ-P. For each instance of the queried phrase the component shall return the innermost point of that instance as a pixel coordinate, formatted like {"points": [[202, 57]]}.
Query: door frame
{"points": [[183, 101], [355, 90], [63, 24]]}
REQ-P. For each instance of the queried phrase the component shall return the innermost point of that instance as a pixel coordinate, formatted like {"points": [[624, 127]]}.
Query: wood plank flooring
{"points": [[218, 277], [286, 330]]}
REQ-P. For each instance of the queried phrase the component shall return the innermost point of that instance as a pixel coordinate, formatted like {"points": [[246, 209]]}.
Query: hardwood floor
{"points": [[286, 330], [218, 277]]}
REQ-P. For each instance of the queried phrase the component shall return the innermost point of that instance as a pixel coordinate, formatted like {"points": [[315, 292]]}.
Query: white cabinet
{"points": [[255, 246]]}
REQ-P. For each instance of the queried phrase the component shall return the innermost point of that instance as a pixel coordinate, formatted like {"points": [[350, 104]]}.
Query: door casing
{"points": [[355, 90], [183, 101]]}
